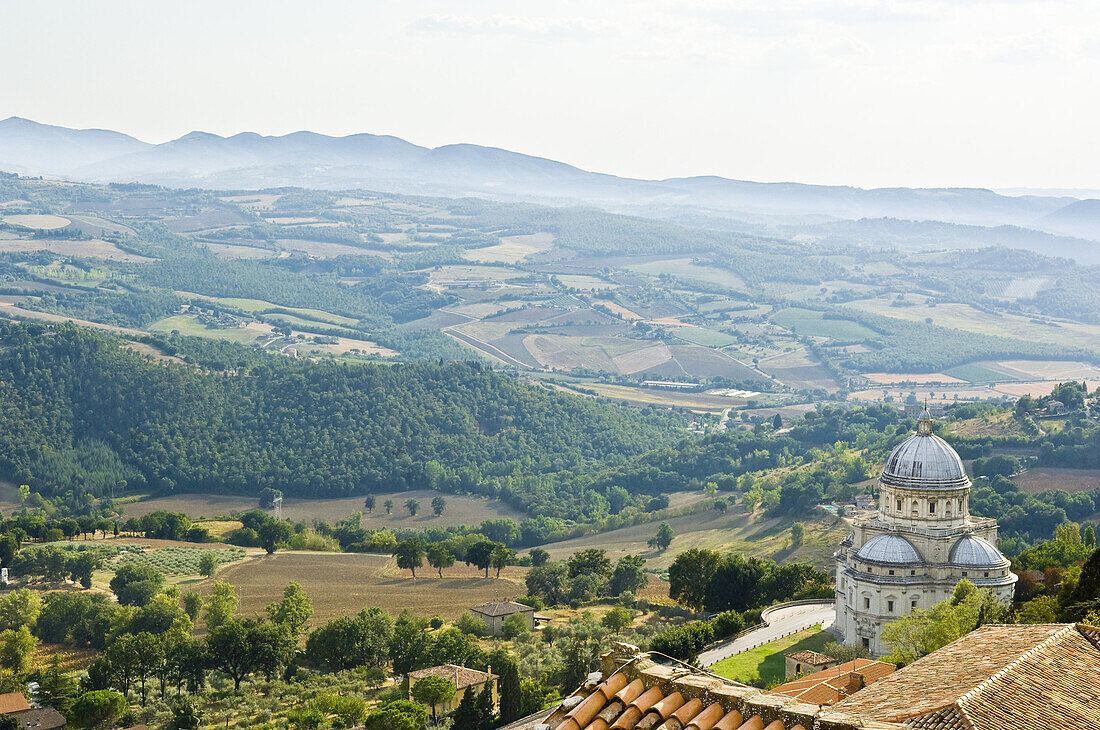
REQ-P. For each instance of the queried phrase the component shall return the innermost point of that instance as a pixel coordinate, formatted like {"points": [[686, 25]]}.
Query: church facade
{"points": [[919, 544]]}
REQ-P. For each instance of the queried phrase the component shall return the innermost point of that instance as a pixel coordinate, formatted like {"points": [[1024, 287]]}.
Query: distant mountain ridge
{"points": [[390, 164]]}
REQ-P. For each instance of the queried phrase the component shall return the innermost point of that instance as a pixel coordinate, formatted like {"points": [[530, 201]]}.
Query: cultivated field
{"points": [[917, 378], [686, 269], [342, 584], [969, 319], [1068, 480], [731, 531], [798, 369], [815, 324], [93, 248], [461, 509], [512, 249], [42, 222]]}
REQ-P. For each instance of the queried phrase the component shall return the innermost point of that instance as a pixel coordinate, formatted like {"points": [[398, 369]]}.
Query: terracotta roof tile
{"points": [[642, 695], [830, 686], [13, 702], [461, 676], [994, 678]]}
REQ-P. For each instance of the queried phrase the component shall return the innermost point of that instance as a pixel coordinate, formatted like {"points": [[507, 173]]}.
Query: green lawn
{"points": [[813, 323], [766, 662], [978, 373]]}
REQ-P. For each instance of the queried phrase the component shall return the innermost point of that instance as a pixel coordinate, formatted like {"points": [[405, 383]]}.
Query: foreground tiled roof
{"points": [[502, 608], [13, 702], [994, 678], [461, 676], [830, 686], [639, 694]]}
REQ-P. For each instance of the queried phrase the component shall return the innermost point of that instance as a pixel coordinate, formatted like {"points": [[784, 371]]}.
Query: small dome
{"points": [[923, 461], [976, 552], [889, 549]]}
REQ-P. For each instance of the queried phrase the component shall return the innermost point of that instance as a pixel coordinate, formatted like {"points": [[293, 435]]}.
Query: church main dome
{"points": [[925, 461]]}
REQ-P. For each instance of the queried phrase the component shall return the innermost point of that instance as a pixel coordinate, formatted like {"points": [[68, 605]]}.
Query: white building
{"points": [[918, 546]]}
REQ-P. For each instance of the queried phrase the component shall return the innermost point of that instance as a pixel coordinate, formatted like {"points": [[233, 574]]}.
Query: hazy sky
{"points": [[904, 92]]}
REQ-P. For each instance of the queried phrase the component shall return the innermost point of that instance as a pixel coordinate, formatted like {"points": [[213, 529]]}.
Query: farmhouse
{"points": [[465, 680], [829, 686], [494, 615]]}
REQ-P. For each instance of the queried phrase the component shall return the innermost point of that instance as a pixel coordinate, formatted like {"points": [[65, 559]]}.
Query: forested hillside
{"points": [[80, 413]]}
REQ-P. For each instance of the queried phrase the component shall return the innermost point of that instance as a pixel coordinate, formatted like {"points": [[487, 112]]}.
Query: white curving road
{"points": [[782, 622]]}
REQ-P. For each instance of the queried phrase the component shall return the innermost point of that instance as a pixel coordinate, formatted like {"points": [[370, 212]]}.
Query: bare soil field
{"points": [[1068, 480], [1036, 389], [644, 358], [918, 378], [342, 584], [461, 509], [798, 369], [324, 249], [1051, 370], [39, 221], [93, 248]]}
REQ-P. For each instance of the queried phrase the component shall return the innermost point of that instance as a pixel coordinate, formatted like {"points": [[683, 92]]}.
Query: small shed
{"points": [[802, 662], [494, 615]]}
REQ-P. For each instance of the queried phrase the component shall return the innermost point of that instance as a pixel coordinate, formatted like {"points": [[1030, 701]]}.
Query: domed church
{"points": [[918, 546]]}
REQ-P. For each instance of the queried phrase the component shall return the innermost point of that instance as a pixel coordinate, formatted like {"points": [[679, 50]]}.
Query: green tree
{"points": [[273, 534], [924, 630], [136, 584], [777, 422], [433, 691], [515, 626], [192, 605], [398, 715], [16, 647], [413, 506], [439, 557], [388, 504], [1086, 595], [221, 606], [232, 650], [438, 505], [690, 575], [617, 619], [549, 582], [353, 641], [510, 687], [539, 557], [798, 533], [629, 575], [1088, 538], [99, 709], [208, 563], [593, 561], [480, 554], [409, 554], [19, 608], [293, 612], [500, 558], [663, 538], [369, 503]]}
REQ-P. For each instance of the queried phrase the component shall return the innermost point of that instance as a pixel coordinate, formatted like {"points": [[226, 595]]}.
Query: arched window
{"points": [[931, 506]]}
